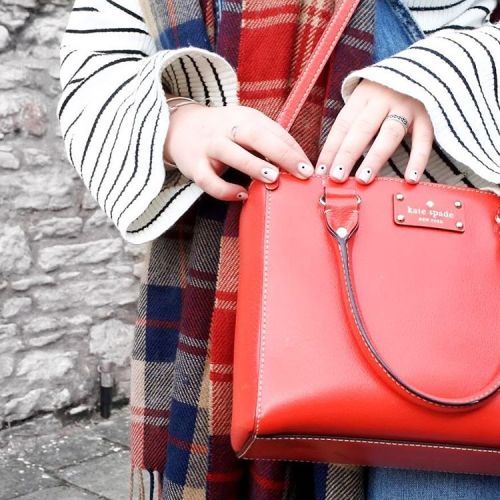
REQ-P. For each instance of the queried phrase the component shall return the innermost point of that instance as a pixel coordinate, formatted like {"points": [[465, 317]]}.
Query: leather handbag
{"points": [[368, 318]]}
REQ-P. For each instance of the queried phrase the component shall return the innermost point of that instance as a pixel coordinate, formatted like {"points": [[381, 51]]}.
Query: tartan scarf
{"points": [[183, 345]]}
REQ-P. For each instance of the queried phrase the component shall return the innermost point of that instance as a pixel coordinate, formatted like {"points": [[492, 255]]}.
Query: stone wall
{"points": [[68, 282]]}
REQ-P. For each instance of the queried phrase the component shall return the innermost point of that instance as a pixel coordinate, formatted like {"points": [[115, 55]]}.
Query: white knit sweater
{"points": [[114, 118]]}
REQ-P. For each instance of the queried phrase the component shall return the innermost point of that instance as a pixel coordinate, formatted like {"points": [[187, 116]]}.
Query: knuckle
{"points": [[215, 145], [419, 156], [201, 178], [426, 138], [346, 153], [393, 130], [283, 157], [250, 134], [248, 165], [377, 156], [365, 126], [342, 125]]}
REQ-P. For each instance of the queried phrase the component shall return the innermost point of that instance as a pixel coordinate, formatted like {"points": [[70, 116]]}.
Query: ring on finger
{"points": [[233, 132], [398, 118]]}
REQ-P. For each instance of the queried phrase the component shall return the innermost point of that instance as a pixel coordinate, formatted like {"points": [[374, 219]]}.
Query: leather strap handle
{"points": [[341, 214], [344, 9]]}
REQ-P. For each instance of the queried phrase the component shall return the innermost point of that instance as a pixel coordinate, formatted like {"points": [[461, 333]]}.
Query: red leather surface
{"points": [[429, 299]]}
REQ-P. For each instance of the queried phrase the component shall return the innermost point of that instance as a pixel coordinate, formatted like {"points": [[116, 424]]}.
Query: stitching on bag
{"points": [[321, 66], [377, 442], [264, 309], [368, 465]]}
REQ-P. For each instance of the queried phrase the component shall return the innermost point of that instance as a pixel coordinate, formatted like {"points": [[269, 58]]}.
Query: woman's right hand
{"points": [[202, 141]]}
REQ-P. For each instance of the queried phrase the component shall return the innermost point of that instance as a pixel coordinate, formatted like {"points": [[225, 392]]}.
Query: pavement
{"points": [[66, 458]]}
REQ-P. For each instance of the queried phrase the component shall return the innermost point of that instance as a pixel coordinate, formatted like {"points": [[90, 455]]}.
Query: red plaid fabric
{"points": [[182, 358]]}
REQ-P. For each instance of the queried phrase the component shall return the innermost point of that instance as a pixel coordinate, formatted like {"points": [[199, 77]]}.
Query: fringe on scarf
{"points": [[144, 484]]}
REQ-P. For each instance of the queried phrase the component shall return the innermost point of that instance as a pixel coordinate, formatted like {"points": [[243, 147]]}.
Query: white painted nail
{"points": [[320, 170], [242, 196], [365, 175], [413, 176], [305, 170], [337, 172], [271, 174]]}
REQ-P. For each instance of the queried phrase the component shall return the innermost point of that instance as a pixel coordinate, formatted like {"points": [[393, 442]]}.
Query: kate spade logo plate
{"points": [[418, 210]]}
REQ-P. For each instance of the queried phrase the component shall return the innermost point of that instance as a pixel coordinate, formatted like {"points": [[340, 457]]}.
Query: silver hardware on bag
{"points": [[341, 232], [322, 200]]}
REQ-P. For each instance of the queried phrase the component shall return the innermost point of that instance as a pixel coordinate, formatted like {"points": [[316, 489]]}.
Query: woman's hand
{"points": [[202, 141], [362, 120]]}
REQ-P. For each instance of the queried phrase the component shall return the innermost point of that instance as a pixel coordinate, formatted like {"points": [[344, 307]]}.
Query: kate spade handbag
{"points": [[368, 318]]}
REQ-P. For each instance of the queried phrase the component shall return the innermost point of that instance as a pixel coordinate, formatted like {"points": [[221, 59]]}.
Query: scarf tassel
{"points": [[137, 484]]}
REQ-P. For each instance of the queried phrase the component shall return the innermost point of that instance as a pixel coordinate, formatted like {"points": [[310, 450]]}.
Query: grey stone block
{"points": [[106, 476]]}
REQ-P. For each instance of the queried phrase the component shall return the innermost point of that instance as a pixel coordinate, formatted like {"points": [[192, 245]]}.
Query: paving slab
{"points": [[19, 478], [116, 429], [60, 493], [59, 458], [69, 447], [105, 476], [17, 435]]}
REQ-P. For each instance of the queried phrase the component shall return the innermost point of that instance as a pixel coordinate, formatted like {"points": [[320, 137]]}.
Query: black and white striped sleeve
{"points": [[455, 73], [114, 117]]}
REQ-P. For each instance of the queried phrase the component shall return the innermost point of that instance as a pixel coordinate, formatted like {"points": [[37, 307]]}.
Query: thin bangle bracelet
{"points": [[184, 102]]}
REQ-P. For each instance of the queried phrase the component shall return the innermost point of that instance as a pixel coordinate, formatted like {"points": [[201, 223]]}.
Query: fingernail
{"points": [[413, 176], [365, 175], [337, 173], [271, 174], [242, 196], [320, 169], [305, 170]]}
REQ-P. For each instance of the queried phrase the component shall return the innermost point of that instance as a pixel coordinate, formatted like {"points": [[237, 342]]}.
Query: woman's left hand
{"points": [[363, 120]]}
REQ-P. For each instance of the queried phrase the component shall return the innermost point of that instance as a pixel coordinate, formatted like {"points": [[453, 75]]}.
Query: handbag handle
{"points": [[344, 9], [341, 213]]}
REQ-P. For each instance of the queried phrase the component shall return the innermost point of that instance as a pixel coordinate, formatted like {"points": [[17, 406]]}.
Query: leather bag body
{"points": [[368, 319], [307, 387]]}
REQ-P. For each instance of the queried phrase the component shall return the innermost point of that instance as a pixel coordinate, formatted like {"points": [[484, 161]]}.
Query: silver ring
{"points": [[233, 132], [400, 119]]}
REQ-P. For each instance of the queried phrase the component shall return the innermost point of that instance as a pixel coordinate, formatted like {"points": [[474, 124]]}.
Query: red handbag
{"points": [[368, 324]]}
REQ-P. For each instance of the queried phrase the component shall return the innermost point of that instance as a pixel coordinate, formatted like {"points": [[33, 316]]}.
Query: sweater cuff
{"points": [[453, 74], [189, 72]]}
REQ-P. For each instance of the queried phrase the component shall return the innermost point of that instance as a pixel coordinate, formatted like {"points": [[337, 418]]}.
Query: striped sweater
{"points": [[114, 117]]}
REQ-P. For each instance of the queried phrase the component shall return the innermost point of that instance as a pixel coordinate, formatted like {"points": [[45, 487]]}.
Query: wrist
{"points": [[175, 105]]}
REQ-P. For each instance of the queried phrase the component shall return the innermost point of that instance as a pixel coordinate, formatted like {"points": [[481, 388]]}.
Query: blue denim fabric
{"points": [[396, 29]]}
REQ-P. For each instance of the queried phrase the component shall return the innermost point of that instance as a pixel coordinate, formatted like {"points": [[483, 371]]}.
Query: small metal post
{"points": [[106, 388]]}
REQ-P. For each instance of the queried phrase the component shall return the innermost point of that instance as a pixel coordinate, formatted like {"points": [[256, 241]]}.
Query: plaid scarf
{"points": [[183, 347]]}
